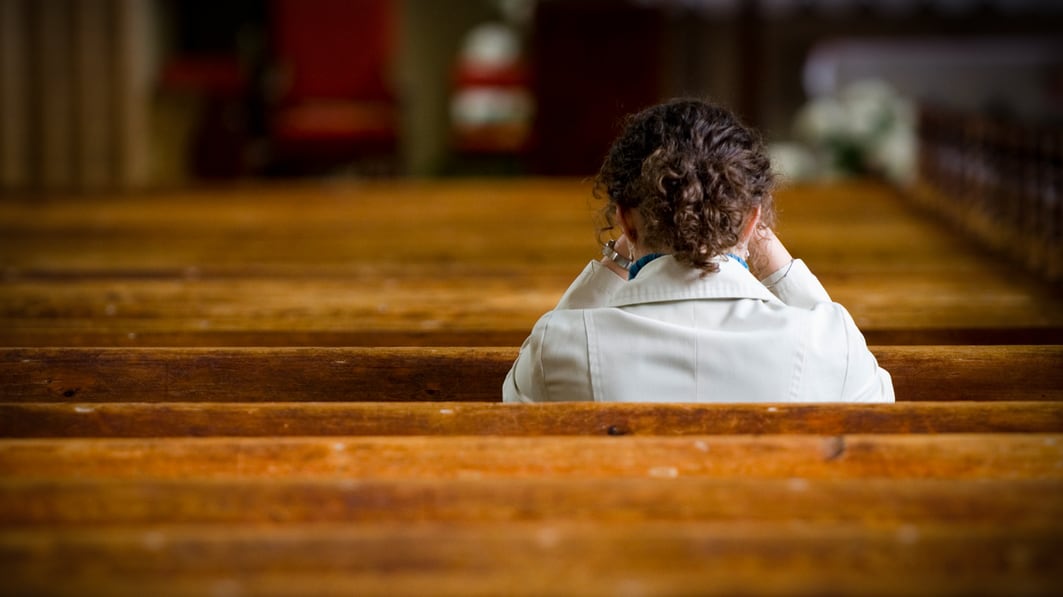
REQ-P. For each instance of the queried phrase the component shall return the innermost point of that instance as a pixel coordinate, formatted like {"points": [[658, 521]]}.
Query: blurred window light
{"points": [[960, 73]]}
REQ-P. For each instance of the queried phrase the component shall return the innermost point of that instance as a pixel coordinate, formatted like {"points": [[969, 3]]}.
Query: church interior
{"points": [[264, 265]]}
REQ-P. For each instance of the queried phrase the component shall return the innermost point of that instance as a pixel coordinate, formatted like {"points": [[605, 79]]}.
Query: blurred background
{"points": [[135, 94]]}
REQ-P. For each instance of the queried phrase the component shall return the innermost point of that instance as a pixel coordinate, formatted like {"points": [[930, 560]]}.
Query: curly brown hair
{"points": [[694, 172]]}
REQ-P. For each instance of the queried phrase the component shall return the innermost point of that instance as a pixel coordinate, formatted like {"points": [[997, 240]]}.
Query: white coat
{"points": [[671, 335]]}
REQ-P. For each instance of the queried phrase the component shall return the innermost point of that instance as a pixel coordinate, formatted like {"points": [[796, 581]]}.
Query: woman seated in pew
{"points": [[697, 300]]}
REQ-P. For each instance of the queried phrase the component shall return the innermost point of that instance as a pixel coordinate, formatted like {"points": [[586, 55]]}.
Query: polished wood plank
{"points": [[931, 497], [848, 225], [254, 374], [70, 502], [443, 263], [997, 373], [920, 373], [429, 223], [957, 456], [272, 419], [538, 558], [475, 308]]}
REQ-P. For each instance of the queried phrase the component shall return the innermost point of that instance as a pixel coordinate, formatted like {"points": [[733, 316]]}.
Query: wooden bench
{"points": [[954, 456], [280, 419], [257, 470], [958, 513], [460, 309], [465, 307], [931, 373], [69, 502], [412, 263], [536, 558]]}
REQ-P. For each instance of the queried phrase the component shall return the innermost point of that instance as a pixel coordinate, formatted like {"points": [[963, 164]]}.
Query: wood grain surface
{"points": [[291, 390], [70, 502], [278, 419], [537, 558], [956, 456], [467, 374], [444, 263]]}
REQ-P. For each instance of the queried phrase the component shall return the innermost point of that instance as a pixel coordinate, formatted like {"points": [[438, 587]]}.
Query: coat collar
{"points": [[665, 279]]}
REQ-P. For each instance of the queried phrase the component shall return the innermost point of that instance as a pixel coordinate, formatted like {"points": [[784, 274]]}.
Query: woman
{"points": [[697, 300]]}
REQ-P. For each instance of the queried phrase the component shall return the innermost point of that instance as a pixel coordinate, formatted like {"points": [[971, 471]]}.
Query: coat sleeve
{"points": [[796, 285]]}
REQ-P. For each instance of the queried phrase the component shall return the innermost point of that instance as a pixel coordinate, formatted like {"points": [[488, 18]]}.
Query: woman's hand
{"points": [[767, 254], [623, 248]]}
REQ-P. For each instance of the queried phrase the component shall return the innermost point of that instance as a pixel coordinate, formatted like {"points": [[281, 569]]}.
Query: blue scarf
{"points": [[740, 261], [642, 261], [638, 265]]}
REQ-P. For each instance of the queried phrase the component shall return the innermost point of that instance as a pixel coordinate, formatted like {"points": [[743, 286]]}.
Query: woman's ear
{"points": [[750, 226], [627, 224]]}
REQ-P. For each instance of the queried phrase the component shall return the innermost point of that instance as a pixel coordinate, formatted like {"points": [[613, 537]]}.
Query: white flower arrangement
{"points": [[867, 129]]}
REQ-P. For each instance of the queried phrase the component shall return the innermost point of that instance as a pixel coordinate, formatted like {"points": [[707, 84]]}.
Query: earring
{"points": [[631, 251]]}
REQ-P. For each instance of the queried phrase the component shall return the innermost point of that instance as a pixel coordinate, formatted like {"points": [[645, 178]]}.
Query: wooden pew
{"points": [[280, 419], [413, 263], [920, 373], [538, 558], [795, 514], [935, 456], [68, 503], [466, 307], [223, 514], [306, 230], [105, 488]]}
